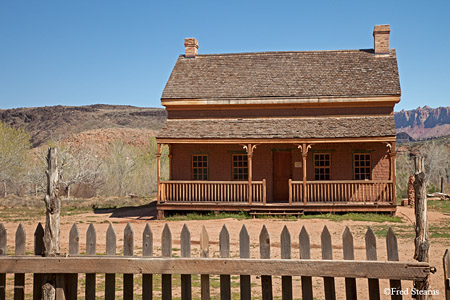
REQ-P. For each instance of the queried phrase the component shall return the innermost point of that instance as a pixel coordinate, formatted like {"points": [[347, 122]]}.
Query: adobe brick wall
{"points": [[219, 159]]}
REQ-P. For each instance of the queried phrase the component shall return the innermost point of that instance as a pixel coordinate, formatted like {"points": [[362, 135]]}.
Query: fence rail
{"points": [[68, 268], [212, 191], [358, 191]]}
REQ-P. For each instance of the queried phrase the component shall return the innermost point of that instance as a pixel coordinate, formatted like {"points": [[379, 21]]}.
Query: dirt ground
{"points": [[404, 231]]}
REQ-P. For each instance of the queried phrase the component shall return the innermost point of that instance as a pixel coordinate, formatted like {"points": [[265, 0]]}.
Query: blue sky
{"points": [[122, 52]]}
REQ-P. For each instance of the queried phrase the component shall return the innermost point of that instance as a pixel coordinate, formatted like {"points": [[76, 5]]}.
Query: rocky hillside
{"points": [[424, 122], [105, 122]]}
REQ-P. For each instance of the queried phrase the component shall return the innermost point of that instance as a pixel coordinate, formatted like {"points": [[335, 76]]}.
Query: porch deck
{"points": [[304, 197]]}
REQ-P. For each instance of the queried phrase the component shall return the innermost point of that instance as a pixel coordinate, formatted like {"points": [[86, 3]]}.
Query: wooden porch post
{"points": [[392, 171], [158, 173], [250, 173], [170, 161], [304, 155]]}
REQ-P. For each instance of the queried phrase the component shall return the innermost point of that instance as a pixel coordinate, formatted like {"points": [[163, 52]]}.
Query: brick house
{"points": [[270, 132]]}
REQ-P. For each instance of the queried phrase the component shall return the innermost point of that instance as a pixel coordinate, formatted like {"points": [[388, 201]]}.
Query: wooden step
{"points": [[276, 213]]}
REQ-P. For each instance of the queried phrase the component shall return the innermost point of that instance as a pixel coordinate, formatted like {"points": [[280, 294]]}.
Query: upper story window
{"points": [[362, 166], [240, 166], [322, 166], [200, 167]]}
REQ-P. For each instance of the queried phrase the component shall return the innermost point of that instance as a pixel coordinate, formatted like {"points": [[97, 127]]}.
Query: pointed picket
{"points": [[74, 240], [20, 240], [166, 242], [128, 241], [244, 252], [38, 250], [371, 245], [110, 279], [128, 249], [204, 252], [286, 281], [186, 281], [166, 250], [185, 238], [204, 243], [264, 243], [371, 254], [19, 279], [350, 283], [147, 241], [91, 240], [147, 250], [392, 254], [244, 243], [264, 251], [327, 247], [305, 253], [327, 253], [91, 249], [224, 242], [72, 279], [304, 244], [224, 245], [39, 240], [111, 240]]}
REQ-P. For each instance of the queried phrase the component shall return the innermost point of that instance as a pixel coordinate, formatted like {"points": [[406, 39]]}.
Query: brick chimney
{"points": [[381, 39], [191, 46]]}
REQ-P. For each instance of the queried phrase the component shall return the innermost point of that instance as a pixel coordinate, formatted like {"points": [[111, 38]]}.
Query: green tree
{"points": [[14, 146], [404, 168]]}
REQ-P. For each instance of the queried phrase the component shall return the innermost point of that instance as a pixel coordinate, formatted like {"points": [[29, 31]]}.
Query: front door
{"points": [[282, 172]]}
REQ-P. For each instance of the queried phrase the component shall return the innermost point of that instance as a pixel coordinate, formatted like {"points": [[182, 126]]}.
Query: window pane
{"points": [[200, 167], [240, 167], [362, 166], [322, 166]]}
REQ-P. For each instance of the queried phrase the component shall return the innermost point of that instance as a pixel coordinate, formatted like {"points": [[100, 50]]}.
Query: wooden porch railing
{"points": [[212, 191], [341, 191]]}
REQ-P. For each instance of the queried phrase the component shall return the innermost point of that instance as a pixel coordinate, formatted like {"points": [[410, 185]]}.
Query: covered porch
{"points": [[322, 164], [281, 177]]}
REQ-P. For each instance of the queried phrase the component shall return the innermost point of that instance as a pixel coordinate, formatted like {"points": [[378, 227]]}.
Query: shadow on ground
{"points": [[147, 211]]}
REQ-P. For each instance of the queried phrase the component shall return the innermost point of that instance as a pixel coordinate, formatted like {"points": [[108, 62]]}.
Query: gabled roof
{"points": [[344, 73], [281, 128]]}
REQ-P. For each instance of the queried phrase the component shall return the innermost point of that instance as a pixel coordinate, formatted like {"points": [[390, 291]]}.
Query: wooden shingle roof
{"points": [[342, 73], [282, 128]]}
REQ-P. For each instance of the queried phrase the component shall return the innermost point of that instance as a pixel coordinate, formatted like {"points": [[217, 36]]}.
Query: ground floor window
{"points": [[240, 167], [200, 167], [362, 166], [322, 166]]}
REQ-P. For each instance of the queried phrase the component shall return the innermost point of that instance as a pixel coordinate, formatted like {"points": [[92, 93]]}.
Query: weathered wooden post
{"points": [[422, 244], [52, 216], [411, 192]]}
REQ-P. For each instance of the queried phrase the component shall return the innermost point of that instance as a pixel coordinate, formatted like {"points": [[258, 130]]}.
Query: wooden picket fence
{"points": [[68, 268]]}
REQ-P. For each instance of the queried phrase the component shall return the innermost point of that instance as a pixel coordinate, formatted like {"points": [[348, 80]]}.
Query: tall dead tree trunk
{"points": [[422, 244], [52, 216], [53, 207]]}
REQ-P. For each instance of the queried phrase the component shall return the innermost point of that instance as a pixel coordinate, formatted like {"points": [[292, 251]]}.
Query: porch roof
{"points": [[279, 128]]}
